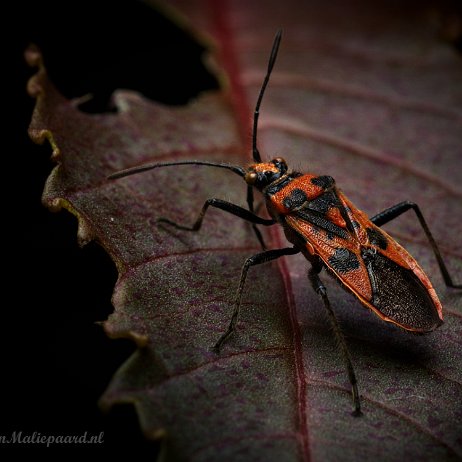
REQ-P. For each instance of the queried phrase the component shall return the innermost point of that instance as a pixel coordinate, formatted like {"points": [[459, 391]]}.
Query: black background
{"points": [[56, 362]]}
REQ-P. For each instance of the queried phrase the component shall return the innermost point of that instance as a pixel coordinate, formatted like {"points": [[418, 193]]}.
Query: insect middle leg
{"points": [[313, 276], [223, 205], [257, 259], [395, 211]]}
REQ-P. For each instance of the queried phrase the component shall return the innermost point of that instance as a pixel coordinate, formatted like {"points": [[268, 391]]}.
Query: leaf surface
{"points": [[367, 94]]}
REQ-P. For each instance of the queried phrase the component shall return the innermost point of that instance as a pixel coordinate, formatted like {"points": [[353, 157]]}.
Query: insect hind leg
{"points": [[395, 211], [319, 287]]}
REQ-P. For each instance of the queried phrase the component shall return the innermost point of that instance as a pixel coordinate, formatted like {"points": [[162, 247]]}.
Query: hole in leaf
{"points": [[94, 48]]}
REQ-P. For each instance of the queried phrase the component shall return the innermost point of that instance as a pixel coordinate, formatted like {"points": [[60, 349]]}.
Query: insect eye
{"points": [[250, 177], [280, 163]]}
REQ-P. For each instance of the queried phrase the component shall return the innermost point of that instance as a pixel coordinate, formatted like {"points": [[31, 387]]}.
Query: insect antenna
{"points": [[143, 168], [256, 114]]}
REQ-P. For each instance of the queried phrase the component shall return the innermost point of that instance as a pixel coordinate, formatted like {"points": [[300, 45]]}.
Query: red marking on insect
{"points": [[334, 235]]}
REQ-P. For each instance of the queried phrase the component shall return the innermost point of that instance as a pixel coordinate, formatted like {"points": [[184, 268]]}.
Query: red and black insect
{"points": [[321, 223]]}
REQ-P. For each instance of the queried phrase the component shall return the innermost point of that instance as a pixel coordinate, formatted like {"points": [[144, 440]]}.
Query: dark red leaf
{"points": [[367, 93]]}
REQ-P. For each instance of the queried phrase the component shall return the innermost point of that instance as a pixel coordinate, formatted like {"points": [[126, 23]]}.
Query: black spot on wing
{"points": [[318, 220], [344, 261], [296, 199], [377, 238], [323, 181], [399, 294]]}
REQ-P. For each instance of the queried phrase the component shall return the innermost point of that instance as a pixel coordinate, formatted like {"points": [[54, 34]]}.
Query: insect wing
{"points": [[372, 265]]}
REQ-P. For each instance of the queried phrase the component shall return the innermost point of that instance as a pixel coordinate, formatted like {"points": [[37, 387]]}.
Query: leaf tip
{"points": [[33, 57], [84, 233], [39, 136], [140, 340]]}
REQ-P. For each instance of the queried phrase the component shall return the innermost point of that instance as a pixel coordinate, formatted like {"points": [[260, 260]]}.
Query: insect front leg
{"points": [[257, 259], [319, 287], [397, 210], [251, 208], [223, 205]]}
